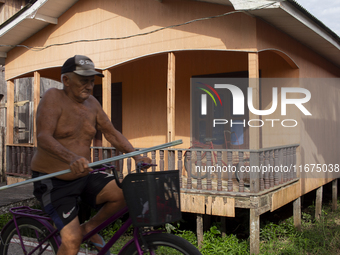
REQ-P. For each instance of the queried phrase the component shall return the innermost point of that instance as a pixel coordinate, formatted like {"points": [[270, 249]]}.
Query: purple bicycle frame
{"points": [[25, 211]]}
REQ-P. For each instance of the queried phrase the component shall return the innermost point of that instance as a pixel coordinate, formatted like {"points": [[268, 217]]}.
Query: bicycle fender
{"points": [[42, 221], [5, 227]]}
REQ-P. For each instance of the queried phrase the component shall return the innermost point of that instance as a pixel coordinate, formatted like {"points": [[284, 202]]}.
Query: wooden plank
{"points": [[334, 194], [318, 203], [254, 229], [220, 206], [192, 203], [211, 205], [297, 213], [253, 69], [285, 195], [223, 226], [242, 203], [2, 151], [262, 210], [171, 97], [10, 112], [106, 83], [199, 229], [36, 100], [16, 112]]}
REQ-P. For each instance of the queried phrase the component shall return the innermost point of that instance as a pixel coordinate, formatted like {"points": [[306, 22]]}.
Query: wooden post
{"points": [[223, 226], [334, 194], [253, 69], [36, 100], [254, 133], [297, 213], [254, 229], [199, 225], [16, 114], [106, 83], [318, 203], [2, 149], [171, 98], [10, 112]]}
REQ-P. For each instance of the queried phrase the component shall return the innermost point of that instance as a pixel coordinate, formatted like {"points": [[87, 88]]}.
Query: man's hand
{"points": [[146, 160], [80, 166]]}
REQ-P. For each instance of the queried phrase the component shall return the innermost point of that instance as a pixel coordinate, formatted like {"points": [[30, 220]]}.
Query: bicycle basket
{"points": [[153, 198]]}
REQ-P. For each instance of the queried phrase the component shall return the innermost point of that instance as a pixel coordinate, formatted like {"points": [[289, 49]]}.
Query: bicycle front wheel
{"points": [[33, 234], [164, 244]]}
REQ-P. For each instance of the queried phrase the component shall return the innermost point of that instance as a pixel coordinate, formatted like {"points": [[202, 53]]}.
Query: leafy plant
{"points": [[214, 243], [4, 219]]}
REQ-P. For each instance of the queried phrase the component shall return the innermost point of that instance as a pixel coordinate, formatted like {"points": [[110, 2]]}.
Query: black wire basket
{"points": [[153, 198]]}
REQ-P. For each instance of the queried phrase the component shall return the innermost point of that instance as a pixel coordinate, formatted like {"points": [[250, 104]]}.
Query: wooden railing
{"points": [[261, 169], [201, 170], [18, 159]]}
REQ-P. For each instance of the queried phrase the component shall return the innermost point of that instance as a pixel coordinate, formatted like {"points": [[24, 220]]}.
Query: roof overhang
{"points": [[294, 20], [29, 20], [287, 16]]}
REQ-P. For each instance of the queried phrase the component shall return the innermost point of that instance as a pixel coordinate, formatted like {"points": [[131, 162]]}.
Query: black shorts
{"points": [[60, 198]]}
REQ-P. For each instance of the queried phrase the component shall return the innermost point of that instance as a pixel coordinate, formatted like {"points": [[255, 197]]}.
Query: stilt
{"points": [[199, 223], [223, 226], [297, 213], [334, 194], [254, 232], [318, 203]]}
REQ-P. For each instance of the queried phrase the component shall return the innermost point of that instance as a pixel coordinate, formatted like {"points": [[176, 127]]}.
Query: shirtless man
{"points": [[67, 121]]}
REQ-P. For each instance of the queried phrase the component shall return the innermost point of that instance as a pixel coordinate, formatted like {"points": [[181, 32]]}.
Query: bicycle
{"points": [[210, 145], [153, 199]]}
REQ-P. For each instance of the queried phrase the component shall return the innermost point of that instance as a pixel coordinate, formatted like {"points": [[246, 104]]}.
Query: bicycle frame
{"points": [[25, 211]]}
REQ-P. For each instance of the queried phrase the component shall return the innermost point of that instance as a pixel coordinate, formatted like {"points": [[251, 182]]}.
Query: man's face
{"points": [[81, 87]]}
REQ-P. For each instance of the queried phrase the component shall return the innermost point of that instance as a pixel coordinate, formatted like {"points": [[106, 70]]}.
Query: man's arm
{"points": [[48, 113]]}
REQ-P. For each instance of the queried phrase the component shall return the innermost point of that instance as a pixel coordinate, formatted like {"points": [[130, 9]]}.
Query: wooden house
{"points": [[149, 50]]}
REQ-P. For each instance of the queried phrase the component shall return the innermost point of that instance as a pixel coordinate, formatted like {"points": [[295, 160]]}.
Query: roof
{"points": [[29, 20], [287, 16]]}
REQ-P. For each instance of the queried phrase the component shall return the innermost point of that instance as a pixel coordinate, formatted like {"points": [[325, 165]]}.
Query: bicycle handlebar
{"points": [[139, 166]]}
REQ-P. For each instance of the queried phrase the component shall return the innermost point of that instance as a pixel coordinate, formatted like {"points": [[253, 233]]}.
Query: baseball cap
{"points": [[81, 65]]}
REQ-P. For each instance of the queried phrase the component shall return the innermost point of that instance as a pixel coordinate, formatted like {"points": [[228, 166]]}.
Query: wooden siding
{"points": [[310, 63], [9, 8], [103, 19]]}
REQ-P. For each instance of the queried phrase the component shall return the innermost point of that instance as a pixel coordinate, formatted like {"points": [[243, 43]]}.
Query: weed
{"points": [[4, 219]]}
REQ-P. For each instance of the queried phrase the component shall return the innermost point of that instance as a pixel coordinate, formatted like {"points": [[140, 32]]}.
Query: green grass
{"points": [[316, 236], [4, 218]]}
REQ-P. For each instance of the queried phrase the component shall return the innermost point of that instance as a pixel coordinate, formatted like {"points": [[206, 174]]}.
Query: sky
{"points": [[327, 11]]}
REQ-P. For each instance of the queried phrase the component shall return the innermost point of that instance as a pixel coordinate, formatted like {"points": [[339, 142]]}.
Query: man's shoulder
{"points": [[53, 92], [93, 102], [51, 99]]}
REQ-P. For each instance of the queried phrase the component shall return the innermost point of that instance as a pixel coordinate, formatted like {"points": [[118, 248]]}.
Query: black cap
{"points": [[81, 65]]}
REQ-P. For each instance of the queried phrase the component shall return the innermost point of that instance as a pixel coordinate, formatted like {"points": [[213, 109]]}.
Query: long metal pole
{"points": [[97, 163]]}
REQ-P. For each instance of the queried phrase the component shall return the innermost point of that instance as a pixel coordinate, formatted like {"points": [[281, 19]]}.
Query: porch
{"points": [[272, 180]]}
